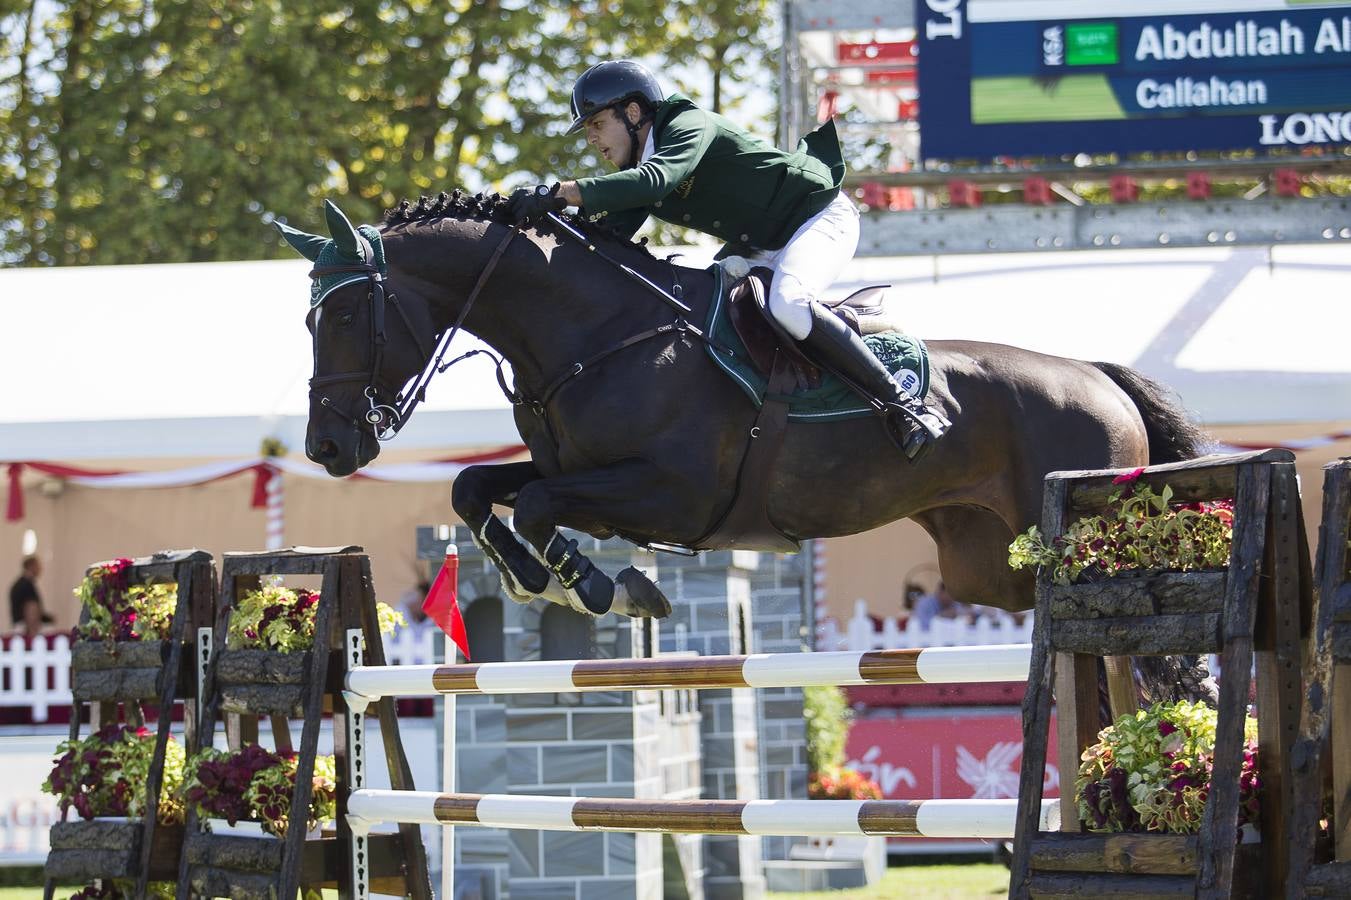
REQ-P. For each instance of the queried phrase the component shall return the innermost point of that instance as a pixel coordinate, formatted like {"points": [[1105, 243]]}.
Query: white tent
{"points": [[182, 368], [206, 360]]}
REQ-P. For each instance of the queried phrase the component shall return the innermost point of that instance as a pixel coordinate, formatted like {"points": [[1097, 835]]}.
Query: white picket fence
{"points": [[38, 676], [860, 632]]}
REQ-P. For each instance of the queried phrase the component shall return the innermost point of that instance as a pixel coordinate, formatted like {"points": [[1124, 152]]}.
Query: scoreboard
{"points": [[1058, 77]]}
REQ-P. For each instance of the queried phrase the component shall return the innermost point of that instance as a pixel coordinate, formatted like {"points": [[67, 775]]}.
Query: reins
{"points": [[385, 421]]}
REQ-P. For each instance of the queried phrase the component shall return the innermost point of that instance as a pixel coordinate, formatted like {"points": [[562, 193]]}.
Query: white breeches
{"points": [[809, 263]]}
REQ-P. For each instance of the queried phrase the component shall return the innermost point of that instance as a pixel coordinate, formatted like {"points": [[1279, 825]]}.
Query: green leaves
{"points": [[1137, 530], [134, 132]]}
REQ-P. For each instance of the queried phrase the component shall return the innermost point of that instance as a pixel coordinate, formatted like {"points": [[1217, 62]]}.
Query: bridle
{"points": [[384, 421]]}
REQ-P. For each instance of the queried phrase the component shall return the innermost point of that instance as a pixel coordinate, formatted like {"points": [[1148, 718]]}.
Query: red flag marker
{"points": [[441, 605]]}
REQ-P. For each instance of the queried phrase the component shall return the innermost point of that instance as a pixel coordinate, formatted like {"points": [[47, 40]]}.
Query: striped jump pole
{"points": [[930, 665], [993, 819]]}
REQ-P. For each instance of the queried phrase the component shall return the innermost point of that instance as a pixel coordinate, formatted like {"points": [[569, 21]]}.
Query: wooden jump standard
{"points": [[993, 819], [932, 665]]}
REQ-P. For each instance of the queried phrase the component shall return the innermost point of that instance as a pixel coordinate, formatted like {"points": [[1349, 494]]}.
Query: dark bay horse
{"points": [[646, 443]]}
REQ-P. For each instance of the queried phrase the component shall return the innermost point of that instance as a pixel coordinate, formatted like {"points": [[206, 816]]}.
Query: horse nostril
{"points": [[325, 449]]}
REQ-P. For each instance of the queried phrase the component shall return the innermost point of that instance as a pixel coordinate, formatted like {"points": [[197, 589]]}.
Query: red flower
{"points": [[1128, 477]]}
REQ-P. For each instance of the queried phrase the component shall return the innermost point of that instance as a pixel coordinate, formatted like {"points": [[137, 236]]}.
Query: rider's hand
{"points": [[530, 204]]}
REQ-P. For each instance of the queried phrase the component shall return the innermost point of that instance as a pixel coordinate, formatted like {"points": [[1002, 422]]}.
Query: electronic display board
{"points": [[1056, 77]]}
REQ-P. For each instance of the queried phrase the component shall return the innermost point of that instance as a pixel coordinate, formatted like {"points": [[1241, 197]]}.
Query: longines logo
{"points": [[684, 188]]}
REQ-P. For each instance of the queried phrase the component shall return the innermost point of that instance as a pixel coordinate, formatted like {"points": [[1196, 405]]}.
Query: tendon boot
{"points": [[909, 423]]}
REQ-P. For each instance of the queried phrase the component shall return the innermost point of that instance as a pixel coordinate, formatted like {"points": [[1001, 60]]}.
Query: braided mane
{"points": [[491, 208]]}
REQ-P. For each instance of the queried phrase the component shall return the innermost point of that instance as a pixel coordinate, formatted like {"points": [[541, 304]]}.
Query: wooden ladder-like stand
{"points": [[247, 684], [1322, 761], [1261, 604], [106, 675]]}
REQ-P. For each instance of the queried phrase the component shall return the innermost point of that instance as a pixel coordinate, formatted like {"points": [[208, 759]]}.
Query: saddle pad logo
{"points": [[908, 381], [684, 188]]}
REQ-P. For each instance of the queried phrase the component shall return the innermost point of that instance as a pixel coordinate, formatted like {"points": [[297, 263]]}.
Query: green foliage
{"points": [[1138, 530], [134, 132], [1151, 771], [104, 774], [282, 619], [828, 715]]}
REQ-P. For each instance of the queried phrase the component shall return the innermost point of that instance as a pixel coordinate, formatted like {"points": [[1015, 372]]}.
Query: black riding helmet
{"points": [[613, 84]]}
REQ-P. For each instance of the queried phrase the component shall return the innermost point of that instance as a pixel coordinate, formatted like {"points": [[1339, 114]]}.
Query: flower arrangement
{"points": [[282, 619], [124, 889], [1151, 771], [1139, 529], [122, 612], [256, 783], [104, 774], [840, 783]]}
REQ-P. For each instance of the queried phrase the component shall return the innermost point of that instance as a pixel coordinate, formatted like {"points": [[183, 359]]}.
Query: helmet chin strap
{"points": [[633, 129]]}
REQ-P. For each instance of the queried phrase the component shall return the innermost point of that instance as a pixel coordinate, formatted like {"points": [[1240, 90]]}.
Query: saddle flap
{"points": [[763, 337]]}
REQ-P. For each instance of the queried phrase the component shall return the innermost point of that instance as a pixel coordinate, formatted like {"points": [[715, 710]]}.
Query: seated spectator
{"points": [[938, 605]]}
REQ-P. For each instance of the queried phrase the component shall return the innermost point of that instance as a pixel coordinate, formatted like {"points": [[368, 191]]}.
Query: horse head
{"points": [[367, 343]]}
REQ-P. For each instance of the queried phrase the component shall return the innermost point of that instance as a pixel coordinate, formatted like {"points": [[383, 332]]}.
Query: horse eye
{"points": [[344, 320]]}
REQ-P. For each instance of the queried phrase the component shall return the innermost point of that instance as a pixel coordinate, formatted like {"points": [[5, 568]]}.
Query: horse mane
{"points": [[493, 208]]}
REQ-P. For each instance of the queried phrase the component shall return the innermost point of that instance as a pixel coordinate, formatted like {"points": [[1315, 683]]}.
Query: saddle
{"points": [[748, 311], [745, 522]]}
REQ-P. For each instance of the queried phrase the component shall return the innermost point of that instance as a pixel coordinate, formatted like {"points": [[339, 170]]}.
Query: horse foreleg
{"points": [[476, 489], [628, 496]]}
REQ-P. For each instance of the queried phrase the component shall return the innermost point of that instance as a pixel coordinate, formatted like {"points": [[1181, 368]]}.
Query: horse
{"points": [[633, 431]]}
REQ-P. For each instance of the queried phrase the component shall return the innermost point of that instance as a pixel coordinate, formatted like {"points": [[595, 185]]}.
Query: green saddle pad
{"points": [[906, 357]]}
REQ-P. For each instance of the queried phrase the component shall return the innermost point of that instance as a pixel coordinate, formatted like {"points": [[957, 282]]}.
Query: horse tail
{"points": [[1173, 437]]}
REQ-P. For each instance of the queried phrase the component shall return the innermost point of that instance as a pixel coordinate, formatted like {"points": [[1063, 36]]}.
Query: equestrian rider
{"points": [[784, 211]]}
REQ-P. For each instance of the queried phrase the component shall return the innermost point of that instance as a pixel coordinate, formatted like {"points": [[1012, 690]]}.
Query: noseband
{"points": [[383, 420]]}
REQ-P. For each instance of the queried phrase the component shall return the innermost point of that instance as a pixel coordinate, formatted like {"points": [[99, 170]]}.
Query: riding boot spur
{"points": [[913, 426], [588, 589]]}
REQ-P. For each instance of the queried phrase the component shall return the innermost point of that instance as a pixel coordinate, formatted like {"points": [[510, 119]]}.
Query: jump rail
{"points": [[994, 819], [930, 665]]}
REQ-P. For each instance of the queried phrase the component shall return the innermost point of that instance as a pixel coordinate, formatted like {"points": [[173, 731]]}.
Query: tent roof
{"points": [[206, 360]]}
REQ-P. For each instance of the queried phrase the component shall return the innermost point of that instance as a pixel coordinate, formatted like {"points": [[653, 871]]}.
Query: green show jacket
{"points": [[708, 174]]}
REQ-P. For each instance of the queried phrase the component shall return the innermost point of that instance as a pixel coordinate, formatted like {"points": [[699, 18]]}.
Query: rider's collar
{"points": [[371, 250]]}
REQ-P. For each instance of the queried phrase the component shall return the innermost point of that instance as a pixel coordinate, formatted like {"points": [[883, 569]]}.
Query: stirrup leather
{"points": [[562, 558]]}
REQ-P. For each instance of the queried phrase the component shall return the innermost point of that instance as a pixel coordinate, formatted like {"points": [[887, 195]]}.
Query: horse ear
{"points": [[306, 244], [344, 235]]}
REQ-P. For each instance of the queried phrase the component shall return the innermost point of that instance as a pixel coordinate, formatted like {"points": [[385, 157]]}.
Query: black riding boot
{"points": [[831, 344]]}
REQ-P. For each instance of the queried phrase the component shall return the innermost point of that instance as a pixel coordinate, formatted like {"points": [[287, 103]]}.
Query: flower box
{"points": [[111, 848], [262, 682], [1155, 865], [117, 670], [1184, 608]]}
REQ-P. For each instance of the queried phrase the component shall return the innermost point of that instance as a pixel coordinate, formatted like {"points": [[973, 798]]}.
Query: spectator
{"points": [[411, 607], [25, 603], [938, 605]]}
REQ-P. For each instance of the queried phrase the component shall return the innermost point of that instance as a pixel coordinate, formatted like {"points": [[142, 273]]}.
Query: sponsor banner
{"points": [[966, 755], [26, 813], [1046, 77]]}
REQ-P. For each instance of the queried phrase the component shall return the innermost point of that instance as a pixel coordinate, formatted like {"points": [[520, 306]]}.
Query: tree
{"points": [[169, 130]]}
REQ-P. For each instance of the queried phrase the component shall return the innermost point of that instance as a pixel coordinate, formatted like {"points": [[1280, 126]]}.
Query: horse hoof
{"points": [[638, 598]]}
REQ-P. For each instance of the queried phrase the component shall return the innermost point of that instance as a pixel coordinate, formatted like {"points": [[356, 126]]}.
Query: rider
{"points": [[781, 210]]}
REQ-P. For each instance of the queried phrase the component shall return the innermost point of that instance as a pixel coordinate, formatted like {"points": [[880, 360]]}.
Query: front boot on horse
{"points": [[588, 588], [833, 345]]}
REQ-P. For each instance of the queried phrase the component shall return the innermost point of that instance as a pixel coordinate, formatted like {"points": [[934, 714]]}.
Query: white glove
{"points": [[736, 267]]}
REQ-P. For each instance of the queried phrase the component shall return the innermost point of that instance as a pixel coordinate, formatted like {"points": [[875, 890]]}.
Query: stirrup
{"points": [[933, 422]]}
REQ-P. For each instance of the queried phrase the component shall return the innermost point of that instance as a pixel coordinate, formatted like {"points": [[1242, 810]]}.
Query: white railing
{"points": [[861, 633], [38, 676]]}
